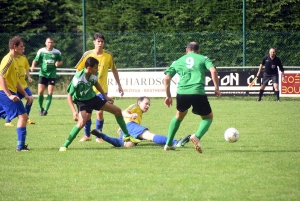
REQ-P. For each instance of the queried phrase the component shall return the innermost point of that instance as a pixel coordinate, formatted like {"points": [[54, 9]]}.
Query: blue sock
{"points": [[7, 120], [21, 132], [121, 135], [160, 139], [87, 128], [28, 108], [112, 140], [99, 124]]}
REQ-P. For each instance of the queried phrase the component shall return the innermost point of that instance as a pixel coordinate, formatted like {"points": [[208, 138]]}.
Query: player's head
{"points": [[49, 43], [272, 52], [144, 103], [91, 64], [99, 40], [16, 45], [192, 47]]}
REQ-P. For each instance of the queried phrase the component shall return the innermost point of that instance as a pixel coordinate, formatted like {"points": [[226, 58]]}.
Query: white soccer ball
{"points": [[231, 135]]}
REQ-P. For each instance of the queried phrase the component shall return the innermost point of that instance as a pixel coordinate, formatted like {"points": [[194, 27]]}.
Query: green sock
{"points": [[203, 128], [41, 100], [174, 125], [75, 130], [122, 125], [48, 102]]}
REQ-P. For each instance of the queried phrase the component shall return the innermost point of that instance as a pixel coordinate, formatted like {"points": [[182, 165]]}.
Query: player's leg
{"points": [[41, 88], [51, 86], [82, 118], [156, 138], [276, 88], [28, 105], [201, 107], [100, 118], [116, 142], [4, 116], [265, 81], [118, 115]]}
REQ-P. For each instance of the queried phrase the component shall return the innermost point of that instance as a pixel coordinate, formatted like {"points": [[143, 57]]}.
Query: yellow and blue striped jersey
{"points": [[23, 67], [106, 61], [9, 70], [134, 108]]}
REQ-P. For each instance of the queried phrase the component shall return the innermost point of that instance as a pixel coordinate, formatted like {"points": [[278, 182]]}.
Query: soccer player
{"points": [[271, 62], [9, 86], [80, 91], [50, 58], [23, 64], [133, 118], [106, 61], [191, 69]]}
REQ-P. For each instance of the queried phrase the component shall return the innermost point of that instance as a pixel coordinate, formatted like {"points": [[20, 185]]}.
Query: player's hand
{"points": [[75, 116], [134, 115], [218, 93], [168, 101], [30, 79], [110, 100], [14, 98], [32, 68], [257, 75], [284, 79], [29, 99], [121, 90]]}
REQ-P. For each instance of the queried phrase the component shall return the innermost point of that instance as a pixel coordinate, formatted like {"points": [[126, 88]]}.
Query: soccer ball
{"points": [[231, 135]]}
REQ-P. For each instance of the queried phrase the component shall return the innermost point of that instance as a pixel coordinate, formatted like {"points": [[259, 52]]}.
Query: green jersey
{"points": [[191, 69], [81, 87], [48, 59]]}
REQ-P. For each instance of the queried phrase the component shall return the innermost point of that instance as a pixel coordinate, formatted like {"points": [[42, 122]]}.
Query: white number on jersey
{"points": [[189, 62]]}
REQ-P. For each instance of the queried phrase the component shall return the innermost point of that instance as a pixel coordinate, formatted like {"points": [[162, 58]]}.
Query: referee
{"points": [[271, 62]]}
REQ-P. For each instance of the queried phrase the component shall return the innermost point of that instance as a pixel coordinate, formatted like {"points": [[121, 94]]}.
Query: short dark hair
{"points": [[193, 46], [91, 62], [142, 98], [16, 40], [99, 35]]}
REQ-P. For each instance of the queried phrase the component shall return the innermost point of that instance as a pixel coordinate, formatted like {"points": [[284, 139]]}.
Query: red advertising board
{"points": [[291, 86]]}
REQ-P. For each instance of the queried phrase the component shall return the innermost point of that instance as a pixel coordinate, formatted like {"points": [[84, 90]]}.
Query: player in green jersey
{"points": [[50, 58], [191, 69], [80, 92]]}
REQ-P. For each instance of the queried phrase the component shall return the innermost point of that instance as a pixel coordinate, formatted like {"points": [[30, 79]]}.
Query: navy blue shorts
{"points": [[95, 103], [200, 104], [27, 90]]}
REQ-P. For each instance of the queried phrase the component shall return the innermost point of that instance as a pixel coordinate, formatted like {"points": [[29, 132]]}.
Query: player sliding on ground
{"points": [[80, 92], [133, 117]]}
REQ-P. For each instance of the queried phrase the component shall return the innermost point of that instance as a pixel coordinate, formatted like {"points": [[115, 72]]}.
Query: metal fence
{"points": [[147, 50]]}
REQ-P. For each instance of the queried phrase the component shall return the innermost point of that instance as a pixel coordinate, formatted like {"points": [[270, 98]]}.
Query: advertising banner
{"points": [[290, 87], [136, 84]]}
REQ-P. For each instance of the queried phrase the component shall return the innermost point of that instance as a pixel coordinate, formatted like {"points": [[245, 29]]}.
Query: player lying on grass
{"points": [[133, 117], [80, 91]]}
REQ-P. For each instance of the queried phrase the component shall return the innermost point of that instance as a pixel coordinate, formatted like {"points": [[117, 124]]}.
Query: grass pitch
{"points": [[262, 165]]}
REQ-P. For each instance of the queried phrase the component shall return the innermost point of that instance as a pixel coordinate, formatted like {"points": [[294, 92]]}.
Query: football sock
{"points": [[41, 100], [122, 124], [75, 130], [28, 108], [87, 128], [174, 125], [114, 141], [261, 92], [203, 128], [160, 139], [7, 120], [277, 95], [21, 132], [99, 124], [48, 101]]}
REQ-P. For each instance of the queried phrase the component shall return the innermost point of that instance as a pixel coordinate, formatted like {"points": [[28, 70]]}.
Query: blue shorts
{"points": [[27, 90], [12, 109], [135, 129]]}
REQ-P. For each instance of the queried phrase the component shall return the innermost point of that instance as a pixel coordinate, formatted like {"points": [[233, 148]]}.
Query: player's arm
{"points": [[33, 65], [71, 104], [99, 88], [116, 76], [126, 113], [28, 76], [259, 69], [58, 63], [167, 83], [214, 76]]}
